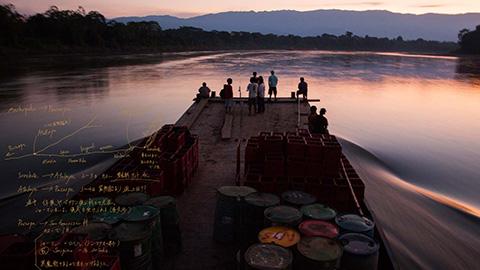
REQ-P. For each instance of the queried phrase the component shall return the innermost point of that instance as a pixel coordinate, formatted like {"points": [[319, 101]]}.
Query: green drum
{"points": [[94, 231], [351, 223], [107, 217], [230, 201], [318, 253], [282, 216], [172, 239], [268, 256], [149, 216], [253, 218], [135, 245], [360, 252], [298, 198], [131, 199], [319, 212]]}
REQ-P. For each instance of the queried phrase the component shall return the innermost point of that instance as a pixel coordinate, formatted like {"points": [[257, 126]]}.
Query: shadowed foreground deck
{"points": [[218, 168]]}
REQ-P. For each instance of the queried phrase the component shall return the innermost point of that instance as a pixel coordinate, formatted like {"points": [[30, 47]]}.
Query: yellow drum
{"points": [[279, 235]]}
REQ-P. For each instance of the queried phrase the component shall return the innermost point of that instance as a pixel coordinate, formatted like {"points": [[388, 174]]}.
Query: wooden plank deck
{"points": [[217, 168]]}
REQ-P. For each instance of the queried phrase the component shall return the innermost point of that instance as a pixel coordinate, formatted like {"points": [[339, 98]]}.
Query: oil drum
{"points": [[255, 206], [172, 238], [319, 212], [298, 198], [318, 228], [267, 256], [360, 252], [318, 253], [135, 245], [150, 217], [110, 218], [131, 199], [282, 216], [351, 223], [279, 235], [95, 231], [228, 212]]}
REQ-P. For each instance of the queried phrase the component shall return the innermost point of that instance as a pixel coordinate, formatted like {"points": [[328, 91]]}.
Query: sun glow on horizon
{"points": [[190, 8]]}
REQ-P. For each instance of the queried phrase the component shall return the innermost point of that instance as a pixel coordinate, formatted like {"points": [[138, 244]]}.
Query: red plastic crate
{"points": [[265, 133], [297, 179], [252, 153], [342, 190], [268, 184], [296, 166], [253, 178], [314, 168], [315, 150], [256, 185], [273, 144], [274, 165], [296, 147]]}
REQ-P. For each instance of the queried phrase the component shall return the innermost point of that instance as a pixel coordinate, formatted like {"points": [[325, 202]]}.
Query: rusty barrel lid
{"points": [[354, 223], [279, 235], [319, 249], [298, 198], [141, 213], [358, 244], [262, 199], [318, 228], [95, 231], [236, 191], [268, 257], [131, 199], [318, 211], [283, 214]]}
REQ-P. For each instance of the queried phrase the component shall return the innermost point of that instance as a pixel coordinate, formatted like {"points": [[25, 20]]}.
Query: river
{"points": [[409, 123]]}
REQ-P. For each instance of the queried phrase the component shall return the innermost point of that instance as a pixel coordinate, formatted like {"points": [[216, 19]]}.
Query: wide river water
{"points": [[409, 123]]}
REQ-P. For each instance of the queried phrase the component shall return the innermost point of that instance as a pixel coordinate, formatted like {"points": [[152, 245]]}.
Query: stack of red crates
{"points": [[161, 164], [275, 162]]}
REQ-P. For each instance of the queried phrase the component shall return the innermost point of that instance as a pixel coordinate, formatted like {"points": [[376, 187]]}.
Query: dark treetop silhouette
{"points": [[469, 41], [68, 31]]}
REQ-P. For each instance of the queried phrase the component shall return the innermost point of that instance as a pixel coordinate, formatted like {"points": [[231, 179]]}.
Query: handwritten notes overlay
{"points": [[65, 184]]}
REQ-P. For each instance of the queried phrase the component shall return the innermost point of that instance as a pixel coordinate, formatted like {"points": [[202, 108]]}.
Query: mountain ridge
{"points": [[379, 23]]}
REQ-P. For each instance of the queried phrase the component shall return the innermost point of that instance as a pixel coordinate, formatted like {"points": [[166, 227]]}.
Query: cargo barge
{"points": [[179, 183]]}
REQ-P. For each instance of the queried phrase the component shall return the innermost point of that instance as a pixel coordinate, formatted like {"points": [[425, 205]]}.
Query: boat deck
{"points": [[217, 168]]}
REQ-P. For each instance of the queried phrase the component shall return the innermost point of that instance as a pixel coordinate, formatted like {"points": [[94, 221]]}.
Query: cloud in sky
{"points": [[431, 6]]}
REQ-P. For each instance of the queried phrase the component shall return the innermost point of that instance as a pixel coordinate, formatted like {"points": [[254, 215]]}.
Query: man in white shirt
{"points": [[252, 96]]}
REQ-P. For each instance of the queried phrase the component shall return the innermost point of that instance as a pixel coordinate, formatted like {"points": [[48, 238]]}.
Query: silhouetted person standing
{"points": [[228, 95], [302, 88], [252, 96], [254, 77], [261, 95], [272, 86]]}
